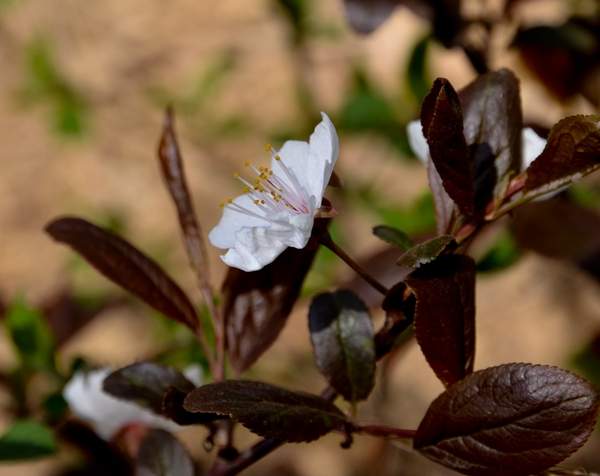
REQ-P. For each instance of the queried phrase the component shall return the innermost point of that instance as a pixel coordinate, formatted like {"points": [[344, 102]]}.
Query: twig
{"points": [[327, 241], [385, 431]]}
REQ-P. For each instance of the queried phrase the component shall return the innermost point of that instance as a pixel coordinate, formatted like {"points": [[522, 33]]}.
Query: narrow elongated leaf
{"points": [[393, 236], [516, 419], [572, 151], [146, 384], [425, 252], [26, 440], [492, 122], [442, 121], [125, 265], [341, 332], [267, 410], [257, 304], [445, 315], [161, 454], [174, 175]]}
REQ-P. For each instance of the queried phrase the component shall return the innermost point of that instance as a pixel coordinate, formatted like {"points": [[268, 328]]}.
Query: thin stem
{"points": [[328, 243], [386, 431]]}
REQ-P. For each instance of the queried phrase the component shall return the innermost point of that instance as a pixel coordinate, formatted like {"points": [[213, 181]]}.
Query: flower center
{"points": [[272, 192]]}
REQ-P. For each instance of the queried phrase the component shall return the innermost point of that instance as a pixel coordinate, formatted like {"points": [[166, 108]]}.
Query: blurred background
{"points": [[83, 86]]}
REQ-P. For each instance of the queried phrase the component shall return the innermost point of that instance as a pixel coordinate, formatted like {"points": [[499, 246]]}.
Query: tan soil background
{"points": [[117, 52]]}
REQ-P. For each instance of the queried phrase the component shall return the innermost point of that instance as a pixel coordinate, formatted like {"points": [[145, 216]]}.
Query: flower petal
{"points": [[532, 146], [255, 247], [324, 152], [417, 141], [223, 234], [105, 413]]}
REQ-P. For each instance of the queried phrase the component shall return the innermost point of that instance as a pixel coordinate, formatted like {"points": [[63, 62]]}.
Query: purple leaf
{"points": [[442, 121], [161, 454], [365, 16], [492, 127], [174, 175], [257, 304], [267, 410], [516, 419], [341, 333], [126, 266], [445, 315], [572, 151], [146, 384]]}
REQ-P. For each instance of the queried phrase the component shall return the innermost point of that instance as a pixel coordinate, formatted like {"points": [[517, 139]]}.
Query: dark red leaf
{"points": [[492, 127], [341, 333], [445, 315], [516, 419], [161, 454], [267, 410], [174, 175], [572, 151], [442, 121], [146, 384], [256, 304], [399, 307], [125, 265]]}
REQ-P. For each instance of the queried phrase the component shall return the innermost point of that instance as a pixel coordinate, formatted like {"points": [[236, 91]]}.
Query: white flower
{"points": [[107, 414], [532, 145], [278, 206]]}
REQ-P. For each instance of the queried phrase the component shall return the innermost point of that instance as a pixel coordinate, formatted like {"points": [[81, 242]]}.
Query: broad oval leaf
{"points": [[492, 122], [516, 419], [425, 252], [341, 332], [393, 236], [267, 410], [445, 315], [442, 121], [572, 151], [257, 304], [161, 454], [125, 265], [26, 440], [146, 384]]}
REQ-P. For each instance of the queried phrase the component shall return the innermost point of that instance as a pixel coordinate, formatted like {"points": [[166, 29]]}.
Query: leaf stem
{"points": [[327, 241]]}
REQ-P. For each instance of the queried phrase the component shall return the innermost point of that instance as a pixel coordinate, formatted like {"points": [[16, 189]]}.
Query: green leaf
{"points": [[26, 440], [393, 236], [416, 71], [425, 252], [30, 335]]}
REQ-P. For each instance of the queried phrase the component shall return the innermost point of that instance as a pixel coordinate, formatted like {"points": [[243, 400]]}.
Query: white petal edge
{"points": [[105, 413], [417, 141], [532, 146], [223, 234]]}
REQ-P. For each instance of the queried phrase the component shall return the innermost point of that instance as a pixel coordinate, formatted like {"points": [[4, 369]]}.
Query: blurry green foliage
{"points": [[586, 195], [414, 219], [46, 84], [503, 253], [417, 76], [296, 12], [587, 362], [25, 440], [366, 109], [55, 407], [30, 335]]}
